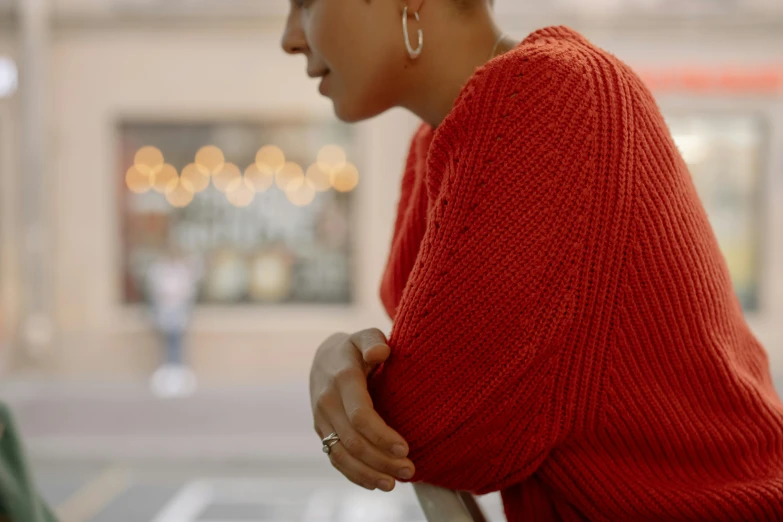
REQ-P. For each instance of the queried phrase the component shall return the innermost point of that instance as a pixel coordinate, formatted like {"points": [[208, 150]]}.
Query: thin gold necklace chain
{"points": [[497, 44]]}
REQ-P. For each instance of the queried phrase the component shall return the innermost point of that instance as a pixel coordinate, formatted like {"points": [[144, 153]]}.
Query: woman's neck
{"points": [[450, 59]]}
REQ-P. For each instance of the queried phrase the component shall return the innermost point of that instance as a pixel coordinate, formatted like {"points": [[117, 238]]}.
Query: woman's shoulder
{"points": [[555, 80], [542, 108], [553, 71], [547, 60]]}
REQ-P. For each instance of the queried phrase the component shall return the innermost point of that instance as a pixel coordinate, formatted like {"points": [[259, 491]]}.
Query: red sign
{"points": [[764, 79]]}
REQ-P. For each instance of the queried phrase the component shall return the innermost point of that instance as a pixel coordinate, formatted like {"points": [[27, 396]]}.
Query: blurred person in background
{"points": [[565, 328], [172, 287]]}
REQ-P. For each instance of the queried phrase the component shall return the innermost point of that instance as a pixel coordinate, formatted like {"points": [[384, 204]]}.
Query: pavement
{"points": [[114, 452], [123, 492], [105, 421]]}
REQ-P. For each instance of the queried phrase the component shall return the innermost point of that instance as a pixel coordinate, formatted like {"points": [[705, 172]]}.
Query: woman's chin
{"points": [[352, 113], [346, 112]]}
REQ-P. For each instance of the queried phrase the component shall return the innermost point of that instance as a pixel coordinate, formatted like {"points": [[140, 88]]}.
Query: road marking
{"points": [[95, 495], [319, 500], [188, 503]]}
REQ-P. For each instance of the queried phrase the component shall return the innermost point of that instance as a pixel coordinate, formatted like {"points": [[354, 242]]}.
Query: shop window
{"points": [[263, 208]]}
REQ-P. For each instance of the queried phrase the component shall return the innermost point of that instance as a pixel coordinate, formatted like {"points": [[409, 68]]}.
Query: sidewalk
{"points": [[116, 453], [110, 422]]}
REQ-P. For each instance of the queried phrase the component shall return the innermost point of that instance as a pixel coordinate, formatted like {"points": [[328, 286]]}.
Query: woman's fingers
{"points": [[346, 374], [363, 418], [370, 453], [364, 449], [358, 472], [352, 468]]}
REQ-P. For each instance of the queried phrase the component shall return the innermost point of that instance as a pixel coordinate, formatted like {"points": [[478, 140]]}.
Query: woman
{"points": [[565, 329]]}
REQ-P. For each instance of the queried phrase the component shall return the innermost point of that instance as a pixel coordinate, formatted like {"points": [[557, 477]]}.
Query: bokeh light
{"points": [[210, 160], [225, 176], [240, 192], [331, 170], [331, 158], [165, 179], [261, 179], [148, 160], [692, 147], [9, 77], [136, 181], [271, 158], [271, 277], [345, 179], [320, 179], [288, 173], [300, 192], [194, 179], [178, 194]]}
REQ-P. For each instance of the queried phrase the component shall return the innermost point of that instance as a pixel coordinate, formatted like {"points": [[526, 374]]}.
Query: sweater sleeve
{"points": [[490, 365]]}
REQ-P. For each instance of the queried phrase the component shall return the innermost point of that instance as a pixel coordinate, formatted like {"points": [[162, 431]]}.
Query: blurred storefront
{"points": [[136, 87], [8, 89]]}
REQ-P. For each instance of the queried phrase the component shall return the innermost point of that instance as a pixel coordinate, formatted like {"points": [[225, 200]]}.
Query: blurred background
{"points": [[162, 291]]}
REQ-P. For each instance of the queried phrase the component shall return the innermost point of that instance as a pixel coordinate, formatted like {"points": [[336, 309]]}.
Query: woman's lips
{"points": [[322, 87]]}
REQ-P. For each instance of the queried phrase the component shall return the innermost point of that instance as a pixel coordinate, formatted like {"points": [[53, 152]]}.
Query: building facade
{"points": [[90, 68]]}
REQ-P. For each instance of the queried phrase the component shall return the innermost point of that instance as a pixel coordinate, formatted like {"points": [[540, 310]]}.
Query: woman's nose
{"points": [[294, 41]]}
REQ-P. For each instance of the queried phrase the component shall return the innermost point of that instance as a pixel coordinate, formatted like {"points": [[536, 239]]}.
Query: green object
{"points": [[19, 499]]}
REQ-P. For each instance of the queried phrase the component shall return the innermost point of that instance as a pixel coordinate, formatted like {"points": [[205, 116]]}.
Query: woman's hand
{"points": [[370, 453]]}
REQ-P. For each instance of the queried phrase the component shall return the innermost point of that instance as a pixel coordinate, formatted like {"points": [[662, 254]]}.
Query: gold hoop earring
{"points": [[413, 53]]}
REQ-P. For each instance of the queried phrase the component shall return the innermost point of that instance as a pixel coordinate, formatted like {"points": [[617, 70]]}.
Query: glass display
{"points": [[263, 208], [726, 157]]}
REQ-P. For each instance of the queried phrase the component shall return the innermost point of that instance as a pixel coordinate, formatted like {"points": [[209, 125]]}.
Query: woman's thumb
{"points": [[373, 345]]}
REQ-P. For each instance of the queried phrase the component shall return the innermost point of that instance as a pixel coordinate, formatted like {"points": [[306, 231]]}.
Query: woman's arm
{"points": [[496, 351]]}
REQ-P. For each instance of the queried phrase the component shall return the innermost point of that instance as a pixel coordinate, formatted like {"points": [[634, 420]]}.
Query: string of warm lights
{"points": [[331, 170]]}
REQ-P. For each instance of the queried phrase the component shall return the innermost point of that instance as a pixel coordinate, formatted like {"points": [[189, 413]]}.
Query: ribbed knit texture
{"points": [[565, 328]]}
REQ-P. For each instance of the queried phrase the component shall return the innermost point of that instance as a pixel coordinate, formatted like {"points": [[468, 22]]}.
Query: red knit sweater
{"points": [[565, 329]]}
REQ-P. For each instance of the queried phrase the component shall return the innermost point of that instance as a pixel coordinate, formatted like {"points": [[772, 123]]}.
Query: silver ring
{"points": [[330, 441]]}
